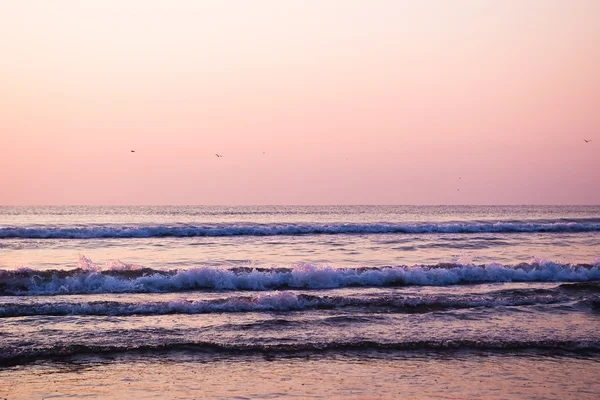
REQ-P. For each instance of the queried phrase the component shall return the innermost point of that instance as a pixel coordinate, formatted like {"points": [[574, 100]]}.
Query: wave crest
{"points": [[146, 280]]}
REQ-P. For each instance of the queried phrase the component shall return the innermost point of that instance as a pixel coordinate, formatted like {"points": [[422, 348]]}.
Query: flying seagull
{"points": [[218, 155], [587, 140]]}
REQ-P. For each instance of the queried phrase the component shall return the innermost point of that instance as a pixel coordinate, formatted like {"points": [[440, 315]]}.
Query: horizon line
{"points": [[307, 205]]}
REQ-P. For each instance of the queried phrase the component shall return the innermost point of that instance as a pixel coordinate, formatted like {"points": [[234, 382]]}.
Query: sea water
{"points": [[367, 300]]}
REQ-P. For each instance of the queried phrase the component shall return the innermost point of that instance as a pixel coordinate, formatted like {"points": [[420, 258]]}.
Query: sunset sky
{"points": [[309, 102]]}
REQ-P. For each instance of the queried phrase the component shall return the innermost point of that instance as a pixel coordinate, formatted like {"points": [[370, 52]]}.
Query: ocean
{"points": [[300, 301]]}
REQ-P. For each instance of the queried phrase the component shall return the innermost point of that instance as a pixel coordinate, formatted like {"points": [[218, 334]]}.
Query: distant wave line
{"points": [[290, 229]]}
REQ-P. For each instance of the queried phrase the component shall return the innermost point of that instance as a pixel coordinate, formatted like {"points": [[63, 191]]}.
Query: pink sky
{"points": [[353, 102]]}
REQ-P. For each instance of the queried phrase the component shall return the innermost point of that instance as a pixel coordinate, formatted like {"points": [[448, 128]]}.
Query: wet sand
{"points": [[378, 376]]}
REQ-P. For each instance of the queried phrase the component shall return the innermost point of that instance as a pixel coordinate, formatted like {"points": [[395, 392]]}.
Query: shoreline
{"points": [[417, 375]]}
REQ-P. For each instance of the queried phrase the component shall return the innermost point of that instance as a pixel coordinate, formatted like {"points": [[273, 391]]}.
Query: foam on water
{"points": [[124, 279]]}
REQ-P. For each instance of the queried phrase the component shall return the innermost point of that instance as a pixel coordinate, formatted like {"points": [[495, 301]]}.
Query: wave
{"points": [[89, 279], [250, 229], [278, 301], [20, 355]]}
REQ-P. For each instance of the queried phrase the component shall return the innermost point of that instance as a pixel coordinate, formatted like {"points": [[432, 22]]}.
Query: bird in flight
{"points": [[133, 151], [218, 155], [587, 140]]}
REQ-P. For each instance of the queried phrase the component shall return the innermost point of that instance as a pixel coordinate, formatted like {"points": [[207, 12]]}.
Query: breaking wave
{"points": [[128, 279], [249, 229]]}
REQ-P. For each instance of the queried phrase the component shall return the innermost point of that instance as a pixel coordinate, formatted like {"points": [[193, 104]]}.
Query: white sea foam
{"points": [[94, 280]]}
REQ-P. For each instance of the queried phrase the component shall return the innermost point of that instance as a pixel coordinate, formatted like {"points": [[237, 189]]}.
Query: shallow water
{"points": [[364, 376]]}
